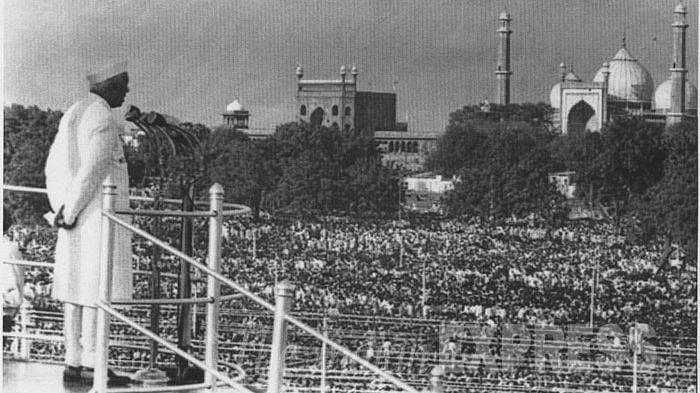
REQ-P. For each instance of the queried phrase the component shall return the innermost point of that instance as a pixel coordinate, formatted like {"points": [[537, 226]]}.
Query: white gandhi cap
{"points": [[107, 72]]}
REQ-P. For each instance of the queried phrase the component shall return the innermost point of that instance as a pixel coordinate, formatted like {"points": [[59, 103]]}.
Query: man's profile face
{"points": [[117, 89]]}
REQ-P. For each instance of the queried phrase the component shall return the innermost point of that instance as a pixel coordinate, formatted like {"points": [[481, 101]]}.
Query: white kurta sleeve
{"points": [[96, 153], [57, 168]]}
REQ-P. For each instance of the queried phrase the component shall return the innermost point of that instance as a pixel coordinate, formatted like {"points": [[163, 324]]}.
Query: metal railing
{"points": [[215, 214], [280, 310]]}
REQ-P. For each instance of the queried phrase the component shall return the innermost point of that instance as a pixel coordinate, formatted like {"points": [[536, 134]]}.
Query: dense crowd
{"points": [[441, 292]]}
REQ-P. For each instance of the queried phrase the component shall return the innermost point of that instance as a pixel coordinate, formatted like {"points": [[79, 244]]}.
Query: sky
{"points": [[189, 59]]}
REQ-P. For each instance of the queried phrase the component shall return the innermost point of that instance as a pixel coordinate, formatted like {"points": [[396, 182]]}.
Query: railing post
{"points": [[283, 304], [323, 355], [109, 192], [211, 355], [184, 318], [436, 379], [26, 344]]}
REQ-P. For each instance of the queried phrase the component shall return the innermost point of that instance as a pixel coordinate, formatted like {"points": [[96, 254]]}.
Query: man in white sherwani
{"points": [[88, 151]]}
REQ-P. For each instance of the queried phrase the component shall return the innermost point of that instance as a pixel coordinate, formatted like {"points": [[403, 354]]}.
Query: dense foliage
{"points": [[301, 169], [643, 174], [28, 134], [325, 170], [502, 160], [669, 207]]}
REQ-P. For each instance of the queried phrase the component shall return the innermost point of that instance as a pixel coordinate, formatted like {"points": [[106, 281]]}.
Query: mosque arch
{"points": [[348, 111], [302, 110], [403, 147], [579, 116], [334, 110], [391, 146], [317, 117]]}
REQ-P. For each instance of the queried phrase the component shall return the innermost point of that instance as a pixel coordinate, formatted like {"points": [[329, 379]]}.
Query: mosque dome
{"points": [[628, 80], [662, 96], [234, 106]]}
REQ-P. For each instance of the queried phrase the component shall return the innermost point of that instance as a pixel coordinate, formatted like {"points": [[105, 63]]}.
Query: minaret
{"points": [[678, 71], [343, 74], [503, 72], [606, 79]]}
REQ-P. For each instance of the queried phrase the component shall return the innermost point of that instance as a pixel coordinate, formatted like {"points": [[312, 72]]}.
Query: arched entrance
{"points": [[317, 117], [579, 115]]}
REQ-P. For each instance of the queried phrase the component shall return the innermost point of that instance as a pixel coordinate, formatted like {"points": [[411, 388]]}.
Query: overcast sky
{"points": [[191, 58]]}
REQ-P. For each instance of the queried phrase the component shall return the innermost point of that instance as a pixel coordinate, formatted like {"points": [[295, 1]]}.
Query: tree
{"points": [[314, 169], [501, 157], [668, 210], [630, 162], [28, 134], [456, 149], [234, 161], [368, 186]]}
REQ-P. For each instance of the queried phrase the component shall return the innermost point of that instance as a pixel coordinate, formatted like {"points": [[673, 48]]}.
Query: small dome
{"points": [[662, 96], [628, 80], [504, 15], [555, 96], [234, 106], [680, 9]]}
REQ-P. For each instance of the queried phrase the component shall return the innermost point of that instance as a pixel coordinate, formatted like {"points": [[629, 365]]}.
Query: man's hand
{"points": [[59, 221]]}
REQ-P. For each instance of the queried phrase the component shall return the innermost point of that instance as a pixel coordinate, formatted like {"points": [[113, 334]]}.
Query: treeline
{"points": [[300, 170], [644, 174]]}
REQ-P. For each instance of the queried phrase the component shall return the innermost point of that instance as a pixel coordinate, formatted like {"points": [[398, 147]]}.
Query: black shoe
{"points": [[71, 374], [87, 376]]}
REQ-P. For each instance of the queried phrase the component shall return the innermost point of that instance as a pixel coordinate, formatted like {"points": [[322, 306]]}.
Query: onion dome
{"points": [[662, 96], [628, 80], [234, 106]]}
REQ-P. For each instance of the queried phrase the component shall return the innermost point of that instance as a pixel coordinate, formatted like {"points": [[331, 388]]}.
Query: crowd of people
{"points": [[480, 299]]}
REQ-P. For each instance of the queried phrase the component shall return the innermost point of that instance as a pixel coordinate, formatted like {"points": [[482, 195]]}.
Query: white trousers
{"points": [[79, 330]]}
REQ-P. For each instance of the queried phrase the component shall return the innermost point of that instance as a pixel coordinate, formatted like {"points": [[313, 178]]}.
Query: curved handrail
{"points": [[236, 209]]}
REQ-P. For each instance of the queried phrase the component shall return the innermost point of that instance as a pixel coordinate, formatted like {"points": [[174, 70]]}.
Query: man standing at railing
{"points": [[87, 151]]}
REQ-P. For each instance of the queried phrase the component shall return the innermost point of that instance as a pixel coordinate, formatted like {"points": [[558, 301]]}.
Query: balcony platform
{"points": [[22, 377]]}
